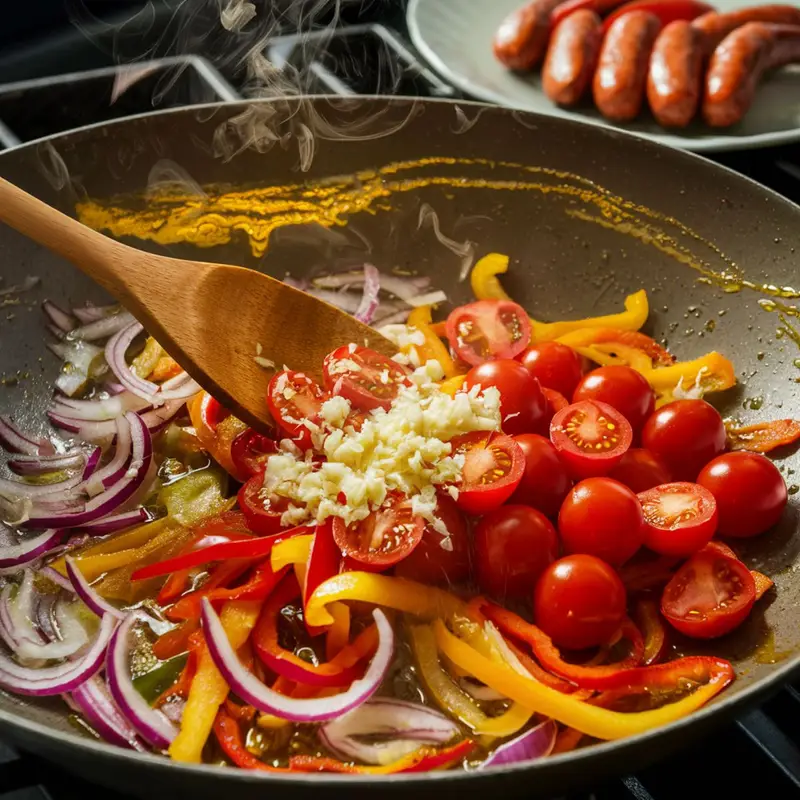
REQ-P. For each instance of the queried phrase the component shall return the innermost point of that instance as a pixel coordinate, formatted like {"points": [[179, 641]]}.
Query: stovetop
{"points": [[369, 53]]}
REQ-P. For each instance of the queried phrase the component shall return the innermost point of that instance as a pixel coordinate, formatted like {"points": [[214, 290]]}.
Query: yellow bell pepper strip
{"points": [[633, 318], [145, 362], [209, 689], [451, 699], [710, 373], [616, 355], [483, 278], [592, 720], [628, 340], [166, 367], [195, 496], [452, 385], [291, 551], [433, 347], [423, 601], [425, 759]]}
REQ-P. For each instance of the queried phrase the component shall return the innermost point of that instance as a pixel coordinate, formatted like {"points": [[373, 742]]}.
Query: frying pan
{"points": [[586, 215]]}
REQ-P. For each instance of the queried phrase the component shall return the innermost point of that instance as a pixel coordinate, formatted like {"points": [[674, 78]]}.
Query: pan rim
{"points": [[579, 758]]}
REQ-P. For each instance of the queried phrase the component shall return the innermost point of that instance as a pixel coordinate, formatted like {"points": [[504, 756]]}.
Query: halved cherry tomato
{"points": [[493, 467], [579, 602], [293, 398], [263, 515], [385, 537], [622, 388], [249, 452], [591, 437], [513, 545], [602, 518], [523, 406], [488, 329], [438, 558], [685, 435], [211, 412], [555, 365], [763, 436], [365, 377], [680, 518], [640, 470], [545, 482], [750, 492], [709, 596]]}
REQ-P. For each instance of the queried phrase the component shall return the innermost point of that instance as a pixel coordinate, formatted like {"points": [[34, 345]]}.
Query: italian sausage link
{"points": [[714, 26], [571, 57], [675, 76], [619, 81], [521, 40], [737, 65]]}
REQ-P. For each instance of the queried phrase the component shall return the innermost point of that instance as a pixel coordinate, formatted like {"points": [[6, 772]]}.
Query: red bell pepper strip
{"points": [[258, 587], [599, 7], [242, 713], [181, 686], [324, 561], [176, 641], [229, 736], [648, 617], [594, 677], [763, 436], [641, 576], [423, 760], [660, 680], [666, 10], [567, 739], [341, 671], [174, 587], [250, 548]]}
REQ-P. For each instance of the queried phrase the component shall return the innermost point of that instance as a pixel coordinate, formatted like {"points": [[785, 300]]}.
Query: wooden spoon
{"points": [[209, 317]]}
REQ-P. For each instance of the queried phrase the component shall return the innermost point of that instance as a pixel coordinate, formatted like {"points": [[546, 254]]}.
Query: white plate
{"points": [[455, 36]]}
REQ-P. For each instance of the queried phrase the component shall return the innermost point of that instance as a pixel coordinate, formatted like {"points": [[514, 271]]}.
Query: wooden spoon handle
{"points": [[98, 256]]}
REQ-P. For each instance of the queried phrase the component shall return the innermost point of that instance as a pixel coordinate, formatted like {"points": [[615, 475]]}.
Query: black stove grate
{"points": [[370, 55]]}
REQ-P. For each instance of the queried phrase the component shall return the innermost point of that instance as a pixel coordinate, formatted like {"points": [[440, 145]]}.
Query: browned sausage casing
{"points": [[737, 65], [572, 56], [675, 76], [521, 39], [619, 81], [714, 26]]}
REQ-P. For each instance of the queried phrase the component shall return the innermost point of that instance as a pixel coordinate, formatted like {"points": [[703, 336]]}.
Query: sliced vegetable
{"points": [[249, 453], [680, 518], [650, 622], [367, 379], [666, 10], [536, 743], [483, 278], [263, 511], [625, 344], [591, 437], [691, 379], [295, 403], [432, 348], [493, 467], [763, 437], [488, 329]]}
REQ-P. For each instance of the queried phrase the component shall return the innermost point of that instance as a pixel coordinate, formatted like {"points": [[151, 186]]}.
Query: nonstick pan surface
{"points": [[586, 215]]}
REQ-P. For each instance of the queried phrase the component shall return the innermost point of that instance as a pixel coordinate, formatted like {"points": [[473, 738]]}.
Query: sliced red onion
{"points": [[536, 743], [21, 551], [369, 302], [89, 596], [61, 678], [95, 702], [155, 419], [411, 284], [395, 318], [60, 318], [45, 615], [40, 465], [342, 300], [354, 736], [16, 614], [181, 387], [72, 636], [429, 299], [91, 313], [257, 694], [114, 497], [54, 576], [98, 410], [92, 461], [14, 440], [116, 522], [102, 328], [151, 725], [107, 476], [116, 348], [14, 489]]}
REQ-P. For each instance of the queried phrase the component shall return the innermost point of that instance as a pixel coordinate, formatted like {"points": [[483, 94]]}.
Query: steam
{"points": [[464, 250], [463, 122], [236, 14]]}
